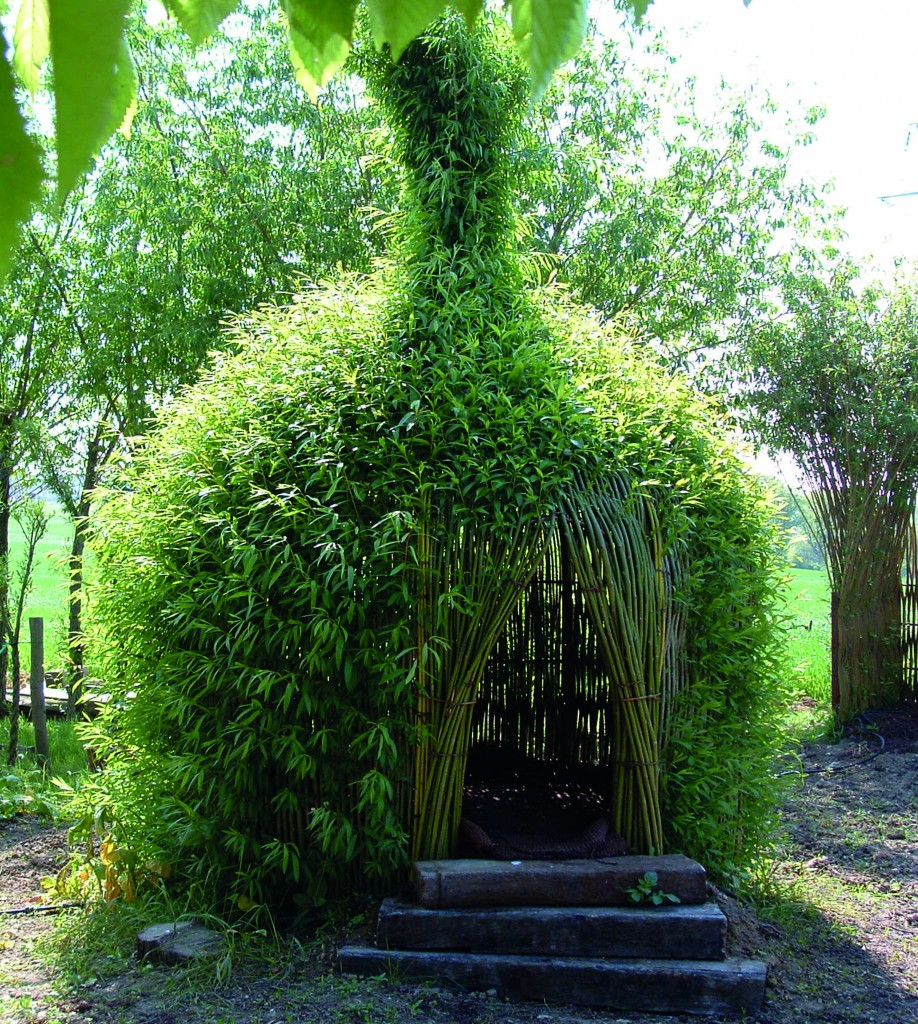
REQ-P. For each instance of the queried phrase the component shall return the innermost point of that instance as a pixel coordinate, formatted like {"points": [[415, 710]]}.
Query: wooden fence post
{"points": [[37, 686]]}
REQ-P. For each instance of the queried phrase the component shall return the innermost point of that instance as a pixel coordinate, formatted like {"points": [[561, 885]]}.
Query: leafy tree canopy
{"points": [[216, 202], [94, 82], [831, 377], [658, 215]]}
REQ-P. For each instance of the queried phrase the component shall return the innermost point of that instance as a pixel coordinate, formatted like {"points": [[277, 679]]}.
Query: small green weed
{"points": [[646, 890], [22, 792]]}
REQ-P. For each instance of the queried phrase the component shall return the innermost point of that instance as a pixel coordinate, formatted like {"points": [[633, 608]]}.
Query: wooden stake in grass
{"points": [[37, 688]]}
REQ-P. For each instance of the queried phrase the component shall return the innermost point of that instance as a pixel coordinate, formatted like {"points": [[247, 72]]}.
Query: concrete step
{"points": [[532, 883], [651, 986], [685, 932]]}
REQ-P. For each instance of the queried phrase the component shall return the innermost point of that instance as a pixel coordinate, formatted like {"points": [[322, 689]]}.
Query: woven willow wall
{"points": [[545, 692], [909, 619]]}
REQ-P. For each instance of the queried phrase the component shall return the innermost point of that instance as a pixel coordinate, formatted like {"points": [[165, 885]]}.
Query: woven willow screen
{"points": [[909, 618]]}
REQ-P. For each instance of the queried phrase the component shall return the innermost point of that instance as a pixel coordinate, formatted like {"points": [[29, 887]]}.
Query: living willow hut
{"points": [[423, 512]]}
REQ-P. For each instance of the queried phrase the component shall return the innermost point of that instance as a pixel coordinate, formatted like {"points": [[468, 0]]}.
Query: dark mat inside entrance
{"points": [[521, 808]]}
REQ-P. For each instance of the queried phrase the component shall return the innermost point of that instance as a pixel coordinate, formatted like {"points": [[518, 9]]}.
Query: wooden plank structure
{"points": [[685, 931], [584, 883], [578, 950], [56, 702], [47, 686]]}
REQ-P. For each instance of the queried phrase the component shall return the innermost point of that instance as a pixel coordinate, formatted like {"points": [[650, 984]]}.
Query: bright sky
{"points": [[858, 60]]}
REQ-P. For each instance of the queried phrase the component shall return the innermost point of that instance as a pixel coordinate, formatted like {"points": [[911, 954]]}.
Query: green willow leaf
{"points": [[20, 165], [31, 42], [640, 7], [86, 48], [125, 95], [200, 18], [469, 9], [397, 22], [549, 32], [320, 35]]}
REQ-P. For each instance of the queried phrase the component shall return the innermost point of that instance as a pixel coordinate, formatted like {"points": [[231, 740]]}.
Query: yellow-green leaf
{"points": [[549, 32], [334, 15], [320, 35], [86, 46], [397, 22], [20, 165], [31, 42], [200, 18]]}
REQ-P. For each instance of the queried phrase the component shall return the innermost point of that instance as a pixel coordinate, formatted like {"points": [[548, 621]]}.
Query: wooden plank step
{"points": [[535, 883], [653, 986], [692, 932]]}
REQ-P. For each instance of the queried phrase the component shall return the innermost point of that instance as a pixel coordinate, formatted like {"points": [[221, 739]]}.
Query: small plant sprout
{"points": [[646, 890]]}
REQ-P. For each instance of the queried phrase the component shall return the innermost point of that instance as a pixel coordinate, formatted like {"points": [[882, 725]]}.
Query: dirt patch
{"points": [[30, 849], [841, 939]]}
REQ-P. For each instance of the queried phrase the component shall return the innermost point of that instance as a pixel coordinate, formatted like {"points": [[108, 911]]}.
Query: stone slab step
{"points": [[652, 986], [689, 932], [533, 883], [179, 942]]}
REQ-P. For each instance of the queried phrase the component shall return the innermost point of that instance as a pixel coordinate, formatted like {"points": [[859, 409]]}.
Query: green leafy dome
{"points": [[261, 587]]}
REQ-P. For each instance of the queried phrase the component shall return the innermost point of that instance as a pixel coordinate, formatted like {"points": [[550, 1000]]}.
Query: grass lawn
{"points": [[48, 595], [809, 637]]}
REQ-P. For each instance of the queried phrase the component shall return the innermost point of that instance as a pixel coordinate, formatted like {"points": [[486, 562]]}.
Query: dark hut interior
{"points": [[542, 752]]}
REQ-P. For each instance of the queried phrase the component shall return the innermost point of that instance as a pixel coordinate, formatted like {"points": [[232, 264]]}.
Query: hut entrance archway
{"points": [[572, 675], [542, 751]]}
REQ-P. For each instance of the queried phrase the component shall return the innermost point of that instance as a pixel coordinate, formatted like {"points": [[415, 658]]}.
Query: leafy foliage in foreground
{"points": [[316, 548], [94, 81]]}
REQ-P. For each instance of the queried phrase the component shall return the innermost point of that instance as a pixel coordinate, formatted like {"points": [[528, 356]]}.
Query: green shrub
{"points": [[726, 732]]}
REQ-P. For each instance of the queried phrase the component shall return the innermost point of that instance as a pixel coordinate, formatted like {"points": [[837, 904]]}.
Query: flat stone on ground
{"points": [[179, 942]]}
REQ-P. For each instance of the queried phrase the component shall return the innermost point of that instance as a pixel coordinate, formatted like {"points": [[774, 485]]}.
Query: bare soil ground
{"points": [[840, 937]]}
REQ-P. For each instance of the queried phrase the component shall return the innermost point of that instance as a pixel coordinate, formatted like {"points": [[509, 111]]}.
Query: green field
{"points": [[809, 635], [48, 595]]}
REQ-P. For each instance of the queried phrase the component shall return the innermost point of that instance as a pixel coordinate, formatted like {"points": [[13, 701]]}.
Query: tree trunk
{"points": [[6, 476], [37, 690], [75, 647], [866, 657], [12, 754]]}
